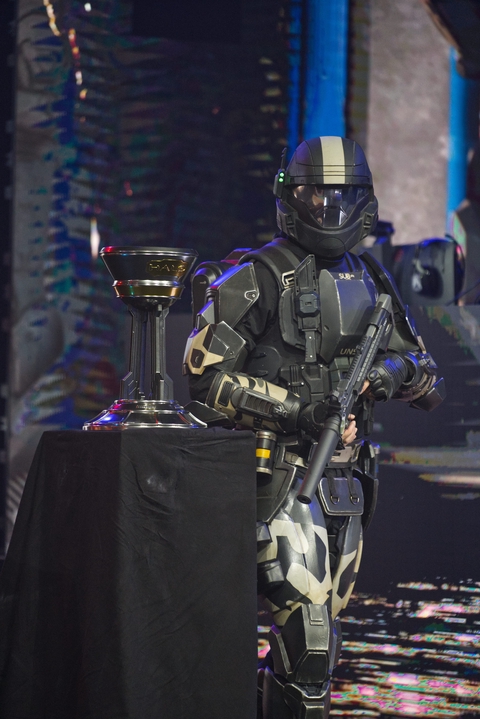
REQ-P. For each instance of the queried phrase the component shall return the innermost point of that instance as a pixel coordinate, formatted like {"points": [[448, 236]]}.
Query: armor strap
{"points": [[354, 262], [307, 305], [387, 283], [279, 259], [290, 271]]}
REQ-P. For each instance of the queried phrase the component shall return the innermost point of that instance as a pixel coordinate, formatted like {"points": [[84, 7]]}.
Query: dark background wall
{"points": [[7, 72], [124, 136], [126, 139]]}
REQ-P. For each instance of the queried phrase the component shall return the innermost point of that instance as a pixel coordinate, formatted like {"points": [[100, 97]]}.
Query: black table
{"points": [[128, 591]]}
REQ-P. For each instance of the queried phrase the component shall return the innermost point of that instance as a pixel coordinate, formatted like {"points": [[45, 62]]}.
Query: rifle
{"points": [[344, 396]]}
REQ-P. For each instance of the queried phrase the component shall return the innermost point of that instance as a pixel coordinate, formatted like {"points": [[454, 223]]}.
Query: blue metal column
{"points": [[326, 68], [464, 122]]}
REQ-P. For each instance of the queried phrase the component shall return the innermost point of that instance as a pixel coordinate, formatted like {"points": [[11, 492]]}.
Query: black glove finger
{"points": [[377, 389]]}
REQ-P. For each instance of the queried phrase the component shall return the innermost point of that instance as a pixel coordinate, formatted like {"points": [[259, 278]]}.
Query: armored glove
{"points": [[311, 417], [387, 376]]}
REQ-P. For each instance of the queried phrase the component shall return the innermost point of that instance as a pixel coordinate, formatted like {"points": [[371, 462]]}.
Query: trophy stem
{"points": [[132, 385], [162, 385], [143, 352]]}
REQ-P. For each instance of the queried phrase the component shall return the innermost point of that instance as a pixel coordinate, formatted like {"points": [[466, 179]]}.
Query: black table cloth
{"points": [[128, 591]]}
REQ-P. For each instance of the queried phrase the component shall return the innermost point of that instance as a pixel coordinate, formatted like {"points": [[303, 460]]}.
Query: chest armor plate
{"points": [[346, 302]]}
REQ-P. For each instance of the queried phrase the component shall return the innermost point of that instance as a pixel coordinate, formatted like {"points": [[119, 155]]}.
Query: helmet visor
{"points": [[330, 206]]}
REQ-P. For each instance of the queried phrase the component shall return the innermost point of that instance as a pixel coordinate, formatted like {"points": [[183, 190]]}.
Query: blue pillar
{"points": [[463, 133], [326, 68]]}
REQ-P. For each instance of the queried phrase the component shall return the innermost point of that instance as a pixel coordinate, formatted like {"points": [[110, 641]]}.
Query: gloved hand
{"points": [[313, 415], [387, 375]]}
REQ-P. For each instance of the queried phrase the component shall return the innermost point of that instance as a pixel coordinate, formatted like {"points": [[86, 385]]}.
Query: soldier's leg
{"points": [[346, 543], [295, 582]]}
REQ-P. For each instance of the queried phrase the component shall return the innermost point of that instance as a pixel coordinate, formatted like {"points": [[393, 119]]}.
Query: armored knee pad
{"points": [[304, 649], [304, 652]]}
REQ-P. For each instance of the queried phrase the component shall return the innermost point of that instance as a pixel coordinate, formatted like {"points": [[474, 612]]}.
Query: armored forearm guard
{"points": [[254, 403], [408, 377], [422, 390], [421, 387]]}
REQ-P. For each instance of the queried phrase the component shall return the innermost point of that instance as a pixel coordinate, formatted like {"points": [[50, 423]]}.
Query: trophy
{"points": [[146, 391]]}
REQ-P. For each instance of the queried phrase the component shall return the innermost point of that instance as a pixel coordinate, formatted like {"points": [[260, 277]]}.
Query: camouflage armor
{"points": [[274, 338]]}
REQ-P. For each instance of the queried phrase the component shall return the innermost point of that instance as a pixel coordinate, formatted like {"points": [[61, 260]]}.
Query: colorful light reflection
{"points": [[402, 657]]}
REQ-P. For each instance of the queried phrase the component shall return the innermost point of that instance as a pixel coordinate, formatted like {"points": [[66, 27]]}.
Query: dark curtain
{"points": [[129, 586]]}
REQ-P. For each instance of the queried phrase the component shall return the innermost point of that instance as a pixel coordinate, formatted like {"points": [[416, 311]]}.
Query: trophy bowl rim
{"points": [[144, 250]]}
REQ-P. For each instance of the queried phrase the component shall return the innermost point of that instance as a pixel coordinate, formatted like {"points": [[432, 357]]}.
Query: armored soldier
{"points": [[275, 337]]}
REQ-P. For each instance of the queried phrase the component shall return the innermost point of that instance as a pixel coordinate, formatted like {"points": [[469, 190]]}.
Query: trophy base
{"points": [[143, 414]]}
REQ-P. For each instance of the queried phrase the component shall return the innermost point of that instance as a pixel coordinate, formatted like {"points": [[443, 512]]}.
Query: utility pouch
{"points": [[341, 496]]}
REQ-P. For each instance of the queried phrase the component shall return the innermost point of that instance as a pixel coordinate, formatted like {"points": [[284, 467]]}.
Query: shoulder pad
{"points": [[207, 272], [279, 259], [233, 294], [214, 345]]}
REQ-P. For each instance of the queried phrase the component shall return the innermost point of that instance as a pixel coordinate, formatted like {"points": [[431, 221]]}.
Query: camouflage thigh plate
{"points": [[307, 565]]}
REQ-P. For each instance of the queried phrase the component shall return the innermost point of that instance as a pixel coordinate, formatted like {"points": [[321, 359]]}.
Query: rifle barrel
{"points": [[321, 457]]}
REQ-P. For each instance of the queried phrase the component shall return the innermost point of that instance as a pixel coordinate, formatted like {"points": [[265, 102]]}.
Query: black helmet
{"points": [[325, 199]]}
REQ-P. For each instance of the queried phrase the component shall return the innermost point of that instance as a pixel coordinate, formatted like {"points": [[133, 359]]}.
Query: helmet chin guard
{"points": [[326, 170], [329, 243]]}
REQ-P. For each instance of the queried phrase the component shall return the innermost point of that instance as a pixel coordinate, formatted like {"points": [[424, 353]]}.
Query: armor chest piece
{"points": [[326, 316]]}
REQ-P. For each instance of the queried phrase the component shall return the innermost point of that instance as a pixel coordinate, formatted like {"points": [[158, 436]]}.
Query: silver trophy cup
{"points": [[146, 391]]}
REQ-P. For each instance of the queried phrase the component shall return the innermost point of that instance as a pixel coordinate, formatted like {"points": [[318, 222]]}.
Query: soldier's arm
{"points": [[407, 372], [240, 307]]}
